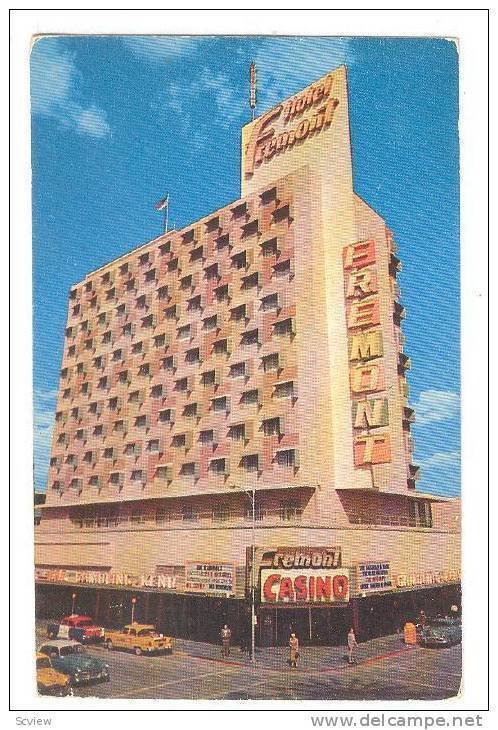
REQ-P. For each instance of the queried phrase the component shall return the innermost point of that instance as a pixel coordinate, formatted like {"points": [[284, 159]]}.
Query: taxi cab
{"points": [[139, 638], [49, 681]]}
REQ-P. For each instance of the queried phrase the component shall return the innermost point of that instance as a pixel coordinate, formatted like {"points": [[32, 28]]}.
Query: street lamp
{"points": [[252, 496], [74, 599], [133, 601]]}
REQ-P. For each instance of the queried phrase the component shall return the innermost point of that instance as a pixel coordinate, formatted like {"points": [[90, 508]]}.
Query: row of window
{"points": [[239, 213], [218, 466], [288, 511], [224, 345], [237, 432]]}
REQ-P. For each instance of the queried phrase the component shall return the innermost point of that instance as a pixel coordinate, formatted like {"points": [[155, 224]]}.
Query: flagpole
{"points": [[166, 210], [252, 89]]}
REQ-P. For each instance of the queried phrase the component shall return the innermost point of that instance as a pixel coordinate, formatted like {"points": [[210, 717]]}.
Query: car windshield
{"points": [[70, 649], [43, 663], [148, 632]]}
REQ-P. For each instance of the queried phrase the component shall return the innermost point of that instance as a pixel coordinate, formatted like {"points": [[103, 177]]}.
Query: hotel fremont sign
{"points": [[303, 116], [302, 575]]}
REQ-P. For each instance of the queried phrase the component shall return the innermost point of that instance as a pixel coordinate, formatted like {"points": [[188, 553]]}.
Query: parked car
{"points": [[79, 628], [442, 632], [139, 638], [49, 681], [69, 657]]}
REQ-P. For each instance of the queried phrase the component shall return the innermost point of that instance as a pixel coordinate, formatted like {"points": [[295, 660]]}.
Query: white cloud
{"points": [[43, 423], [159, 49], [286, 65], [436, 405], [441, 473], [54, 80]]}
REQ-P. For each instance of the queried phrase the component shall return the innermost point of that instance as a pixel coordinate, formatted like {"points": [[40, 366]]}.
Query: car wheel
{"points": [[138, 651], [109, 645]]}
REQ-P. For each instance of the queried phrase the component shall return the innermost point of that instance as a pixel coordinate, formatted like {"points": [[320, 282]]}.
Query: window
{"points": [[69, 331], [166, 416], [222, 242], [88, 457], [188, 469], [165, 248], [137, 475], [283, 327], [127, 329], [284, 390], [113, 404], [220, 347], [136, 347], [73, 294], [238, 313], [162, 292], [250, 229], [270, 362], [102, 384], [197, 254], [217, 466], [121, 310], [124, 268], [144, 258], [80, 367], [118, 426], [88, 344], [290, 511], [189, 513], [130, 285], [162, 515], [144, 370], [186, 282], [137, 516], [249, 338], [210, 323], [106, 278], [268, 196], [269, 302], [171, 312], [271, 427], [169, 362], [98, 362], [208, 378], [286, 457], [239, 261], [156, 391], [250, 462], [71, 350], [107, 337], [115, 477], [259, 513], [93, 302], [141, 302], [237, 432], [282, 268], [75, 413], [221, 293], [192, 356], [160, 340], [98, 430], [248, 282], [129, 449], [163, 472], [250, 396], [148, 321], [221, 513], [238, 370], [206, 437], [123, 376], [219, 404], [57, 486], [141, 421], [66, 393], [117, 355], [88, 286], [190, 410], [84, 326], [184, 332], [179, 440], [134, 397], [80, 435], [76, 309], [150, 275], [110, 294], [188, 236], [194, 304], [211, 272], [173, 265], [239, 210], [281, 214], [269, 248], [181, 384], [153, 445], [213, 224], [108, 453]]}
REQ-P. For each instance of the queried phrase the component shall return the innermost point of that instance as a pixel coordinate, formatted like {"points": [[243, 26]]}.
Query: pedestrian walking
{"points": [[294, 651], [352, 644], [226, 635]]}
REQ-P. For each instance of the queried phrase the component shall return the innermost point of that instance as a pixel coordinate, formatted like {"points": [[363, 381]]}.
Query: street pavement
{"points": [[385, 669]]}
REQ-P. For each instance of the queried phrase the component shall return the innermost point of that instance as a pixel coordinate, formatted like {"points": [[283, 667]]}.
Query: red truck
{"points": [[79, 628]]}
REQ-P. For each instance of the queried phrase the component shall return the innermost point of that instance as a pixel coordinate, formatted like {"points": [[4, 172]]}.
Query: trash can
{"points": [[410, 633]]}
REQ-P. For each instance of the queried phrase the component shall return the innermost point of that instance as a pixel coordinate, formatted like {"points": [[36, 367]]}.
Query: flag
{"points": [[162, 204]]}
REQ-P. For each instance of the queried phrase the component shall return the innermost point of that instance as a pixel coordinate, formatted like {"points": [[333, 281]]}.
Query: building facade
{"points": [[238, 383]]}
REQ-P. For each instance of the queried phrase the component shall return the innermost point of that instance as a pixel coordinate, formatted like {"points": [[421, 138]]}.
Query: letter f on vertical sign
{"points": [[258, 136]]}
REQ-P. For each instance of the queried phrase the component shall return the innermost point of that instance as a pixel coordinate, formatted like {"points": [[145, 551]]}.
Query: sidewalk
{"points": [[313, 658]]}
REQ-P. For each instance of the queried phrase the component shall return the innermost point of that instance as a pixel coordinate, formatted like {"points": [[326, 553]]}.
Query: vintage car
{"points": [[69, 657], [441, 632], [79, 628], [139, 638], [49, 681]]}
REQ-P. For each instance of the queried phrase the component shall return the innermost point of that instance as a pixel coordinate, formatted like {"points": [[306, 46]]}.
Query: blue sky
{"points": [[119, 121]]}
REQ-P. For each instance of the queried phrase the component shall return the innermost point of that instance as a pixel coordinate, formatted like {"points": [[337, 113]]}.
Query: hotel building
{"points": [[256, 354]]}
